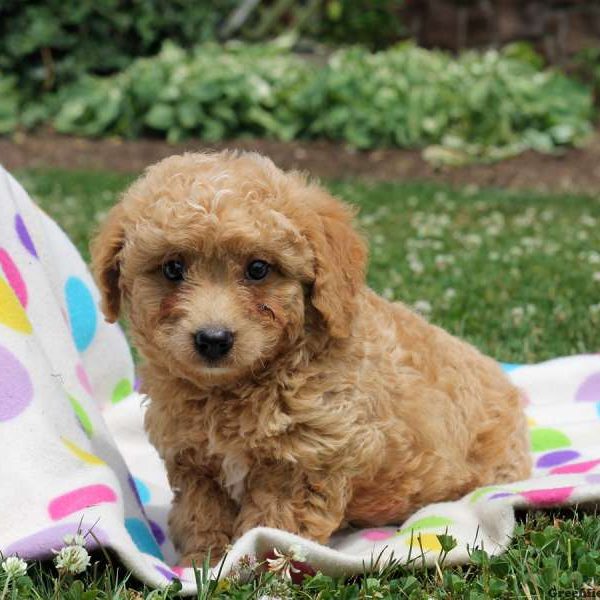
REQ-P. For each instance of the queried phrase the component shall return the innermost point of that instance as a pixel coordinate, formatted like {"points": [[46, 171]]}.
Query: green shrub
{"points": [[210, 93], [49, 42], [373, 23], [480, 106]]}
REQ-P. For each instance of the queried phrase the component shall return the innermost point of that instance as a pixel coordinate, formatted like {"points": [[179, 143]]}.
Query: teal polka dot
{"points": [[508, 367], [142, 537], [142, 490], [82, 312]]}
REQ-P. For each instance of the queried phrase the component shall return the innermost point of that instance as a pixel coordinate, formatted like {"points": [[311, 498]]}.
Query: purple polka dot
{"points": [[501, 495], [137, 383], [593, 478], [16, 391], [157, 532], [40, 545], [24, 236], [559, 457], [131, 482], [589, 390], [165, 572]]}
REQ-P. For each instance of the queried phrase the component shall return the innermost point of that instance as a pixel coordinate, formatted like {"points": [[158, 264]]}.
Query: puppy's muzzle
{"points": [[213, 343]]}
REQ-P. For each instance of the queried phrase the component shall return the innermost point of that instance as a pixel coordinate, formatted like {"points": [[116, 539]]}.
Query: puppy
{"points": [[284, 392]]}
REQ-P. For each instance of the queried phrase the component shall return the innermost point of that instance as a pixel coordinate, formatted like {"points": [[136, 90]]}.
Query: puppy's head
{"points": [[224, 262]]}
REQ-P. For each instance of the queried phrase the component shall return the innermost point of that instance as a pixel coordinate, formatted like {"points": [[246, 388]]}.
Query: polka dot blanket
{"points": [[75, 457]]}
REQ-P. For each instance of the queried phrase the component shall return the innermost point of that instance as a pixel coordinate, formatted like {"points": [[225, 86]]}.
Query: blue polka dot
{"points": [[508, 367], [82, 312], [142, 537], [598, 408], [142, 490]]}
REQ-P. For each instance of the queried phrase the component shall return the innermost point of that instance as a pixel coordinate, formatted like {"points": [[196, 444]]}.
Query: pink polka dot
{"points": [[580, 467], [16, 390], [79, 499], [525, 400], [589, 390], [84, 379], [179, 571], [548, 497], [375, 535], [13, 277]]}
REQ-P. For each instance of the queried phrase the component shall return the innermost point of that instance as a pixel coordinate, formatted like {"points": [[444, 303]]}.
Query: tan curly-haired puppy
{"points": [[284, 392]]}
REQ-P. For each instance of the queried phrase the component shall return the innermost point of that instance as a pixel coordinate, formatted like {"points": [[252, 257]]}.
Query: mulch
{"points": [[575, 170]]}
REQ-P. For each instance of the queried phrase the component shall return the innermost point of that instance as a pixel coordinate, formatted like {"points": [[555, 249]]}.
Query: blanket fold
{"points": [[75, 456]]}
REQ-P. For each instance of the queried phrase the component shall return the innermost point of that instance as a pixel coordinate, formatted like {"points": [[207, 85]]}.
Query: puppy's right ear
{"points": [[105, 250]]}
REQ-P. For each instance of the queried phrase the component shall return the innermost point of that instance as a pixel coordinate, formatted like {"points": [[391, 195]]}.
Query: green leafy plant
{"points": [[479, 106]]}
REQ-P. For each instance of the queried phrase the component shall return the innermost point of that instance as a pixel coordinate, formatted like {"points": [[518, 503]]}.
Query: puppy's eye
{"points": [[174, 270], [257, 270]]}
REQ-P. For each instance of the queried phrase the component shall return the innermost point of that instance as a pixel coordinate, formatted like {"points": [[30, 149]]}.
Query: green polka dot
{"points": [[477, 494], [122, 390], [544, 439], [85, 421], [426, 523]]}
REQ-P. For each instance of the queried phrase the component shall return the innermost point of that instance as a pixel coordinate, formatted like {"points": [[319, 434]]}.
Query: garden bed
{"points": [[573, 170]]}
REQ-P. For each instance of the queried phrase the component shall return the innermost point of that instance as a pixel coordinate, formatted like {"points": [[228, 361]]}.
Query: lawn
{"points": [[515, 273]]}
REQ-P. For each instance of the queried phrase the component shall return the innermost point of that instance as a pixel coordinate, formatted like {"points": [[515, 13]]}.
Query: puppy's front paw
{"points": [[196, 559], [211, 544]]}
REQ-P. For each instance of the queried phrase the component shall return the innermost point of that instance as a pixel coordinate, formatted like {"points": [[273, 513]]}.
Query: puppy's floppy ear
{"points": [[105, 249], [340, 261]]}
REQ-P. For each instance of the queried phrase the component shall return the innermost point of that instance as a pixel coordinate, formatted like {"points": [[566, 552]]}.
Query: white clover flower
{"points": [[517, 314], [298, 553], [388, 293], [595, 309], [245, 569], [74, 539], [282, 564], [422, 306], [72, 560], [415, 265], [14, 567], [596, 276], [471, 240], [450, 294], [587, 220], [443, 260]]}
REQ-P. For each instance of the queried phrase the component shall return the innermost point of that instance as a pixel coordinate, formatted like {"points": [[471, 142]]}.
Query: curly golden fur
{"points": [[333, 406]]}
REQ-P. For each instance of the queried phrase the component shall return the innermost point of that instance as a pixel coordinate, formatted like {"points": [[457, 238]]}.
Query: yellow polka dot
{"points": [[531, 422], [86, 457], [11, 312], [427, 541]]}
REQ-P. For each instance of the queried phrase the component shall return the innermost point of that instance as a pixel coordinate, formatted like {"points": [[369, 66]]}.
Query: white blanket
{"points": [[75, 457]]}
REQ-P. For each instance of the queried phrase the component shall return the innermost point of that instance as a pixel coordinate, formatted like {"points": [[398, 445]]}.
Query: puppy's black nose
{"points": [[213, 343]]}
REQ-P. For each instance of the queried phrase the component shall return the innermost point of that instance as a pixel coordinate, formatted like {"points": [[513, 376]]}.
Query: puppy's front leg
{"points": [[201, 519], [283, 496]]}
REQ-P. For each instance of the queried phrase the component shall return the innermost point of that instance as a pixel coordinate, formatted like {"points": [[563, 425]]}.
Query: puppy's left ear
{"points": [[105, 249], [340, 262]]}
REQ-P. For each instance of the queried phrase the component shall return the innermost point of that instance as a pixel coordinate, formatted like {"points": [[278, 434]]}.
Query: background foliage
{"points": [[480, 105], [46, 43], [97, 69]]}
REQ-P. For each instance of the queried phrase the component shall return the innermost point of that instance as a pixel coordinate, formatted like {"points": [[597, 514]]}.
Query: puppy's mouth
{"points": [[212, 370], [214, 347]]}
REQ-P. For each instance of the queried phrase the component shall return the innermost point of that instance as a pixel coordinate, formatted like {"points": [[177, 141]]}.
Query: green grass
{"points": [[516, 273]]}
